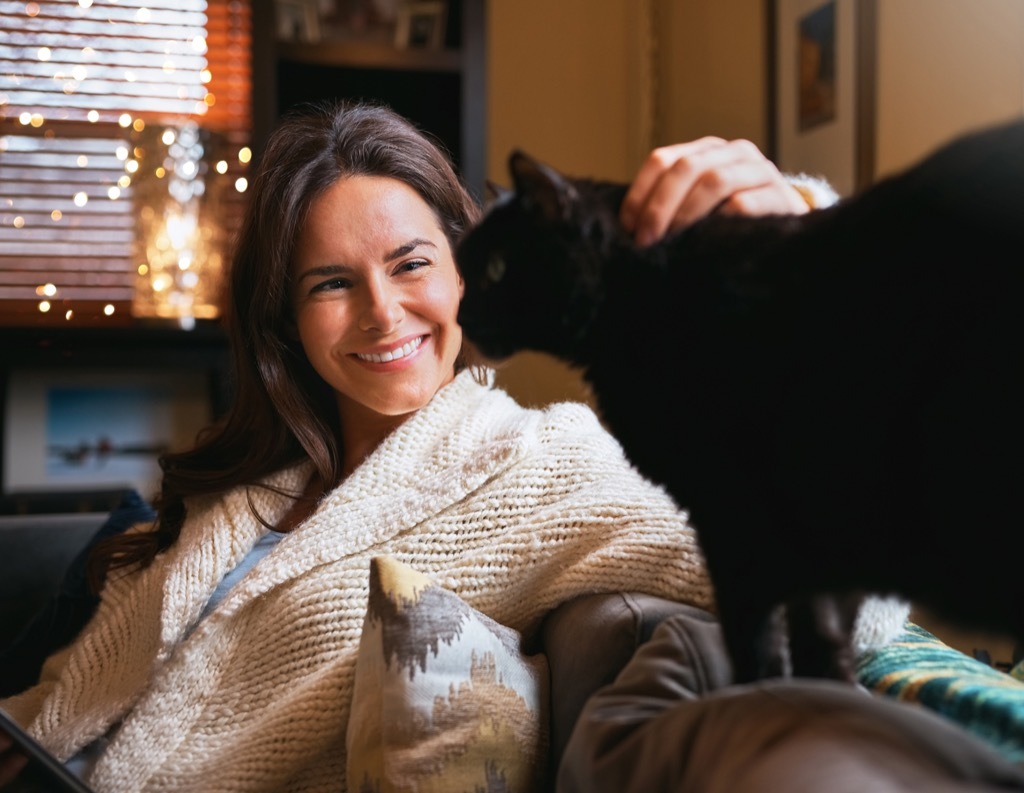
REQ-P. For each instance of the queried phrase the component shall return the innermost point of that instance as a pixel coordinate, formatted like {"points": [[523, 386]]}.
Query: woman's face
{"points": [[376, 294]]}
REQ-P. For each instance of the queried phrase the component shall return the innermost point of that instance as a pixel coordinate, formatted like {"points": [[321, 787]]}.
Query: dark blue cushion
{"points": [[69, 609]]}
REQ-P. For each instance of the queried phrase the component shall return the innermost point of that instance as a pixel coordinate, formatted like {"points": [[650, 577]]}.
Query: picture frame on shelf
{"points": [[821, 89], [298, 20], [421, 25], [363, 20]]}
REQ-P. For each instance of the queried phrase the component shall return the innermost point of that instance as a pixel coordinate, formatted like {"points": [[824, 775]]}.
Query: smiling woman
{"points": [[376, 294]]}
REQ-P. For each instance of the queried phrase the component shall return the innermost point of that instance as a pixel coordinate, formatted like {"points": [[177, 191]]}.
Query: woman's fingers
{"points": [[678, 185]]}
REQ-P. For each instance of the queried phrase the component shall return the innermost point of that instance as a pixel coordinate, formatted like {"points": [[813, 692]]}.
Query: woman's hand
{"points": [[12, 761], [682, 183]]}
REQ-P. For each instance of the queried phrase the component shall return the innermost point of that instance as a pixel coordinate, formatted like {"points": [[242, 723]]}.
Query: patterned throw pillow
{"points": [[444, 700], [919, 667]]}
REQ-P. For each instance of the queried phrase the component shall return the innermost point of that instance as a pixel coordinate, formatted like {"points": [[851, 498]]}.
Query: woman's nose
{"points": [[381, 309]]}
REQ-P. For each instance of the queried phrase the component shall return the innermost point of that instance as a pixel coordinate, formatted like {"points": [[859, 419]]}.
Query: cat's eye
{"points": [[495, 269]]}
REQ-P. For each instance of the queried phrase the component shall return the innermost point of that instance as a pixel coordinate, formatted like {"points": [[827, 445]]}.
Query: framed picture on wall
{"points": [[421, 25], [67, 430], [822, 89]]}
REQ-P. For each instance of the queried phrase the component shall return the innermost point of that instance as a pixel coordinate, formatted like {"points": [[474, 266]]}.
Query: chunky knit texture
{"points": [[515, 510]]}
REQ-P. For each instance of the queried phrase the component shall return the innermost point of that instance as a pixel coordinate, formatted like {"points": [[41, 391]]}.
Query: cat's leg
{"points": [[820, 630], [755, 636]]}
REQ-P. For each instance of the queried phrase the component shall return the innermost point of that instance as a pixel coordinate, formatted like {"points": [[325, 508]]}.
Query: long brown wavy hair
{"points": [[282, 411]]}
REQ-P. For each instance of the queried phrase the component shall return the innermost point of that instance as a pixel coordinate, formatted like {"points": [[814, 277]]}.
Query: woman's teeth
{"points": [[392, 355]]}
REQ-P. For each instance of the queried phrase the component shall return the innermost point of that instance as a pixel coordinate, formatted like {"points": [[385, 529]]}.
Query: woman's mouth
{"points": [[392, 355]]}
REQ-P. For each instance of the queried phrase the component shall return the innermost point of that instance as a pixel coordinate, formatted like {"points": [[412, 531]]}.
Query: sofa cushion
{"points": [[54, 553], [444, 698], [922, 669]]}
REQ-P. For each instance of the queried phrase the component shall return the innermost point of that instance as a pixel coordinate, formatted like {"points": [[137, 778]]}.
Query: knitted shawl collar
{"points": [[467, 434]]}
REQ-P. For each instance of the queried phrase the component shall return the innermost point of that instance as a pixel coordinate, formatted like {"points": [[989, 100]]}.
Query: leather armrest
{"points": [[589, 640]]}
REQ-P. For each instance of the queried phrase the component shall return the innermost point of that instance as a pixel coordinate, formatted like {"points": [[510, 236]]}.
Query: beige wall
{"points": [[945, 66], [559, 83], [573, 81], [713, 78]]}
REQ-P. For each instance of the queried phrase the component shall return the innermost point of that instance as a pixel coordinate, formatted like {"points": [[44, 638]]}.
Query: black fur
{"points": [[834, 397]]}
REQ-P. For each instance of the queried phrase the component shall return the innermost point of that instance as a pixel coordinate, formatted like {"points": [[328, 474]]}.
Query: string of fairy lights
{"points": [[170, 166]]}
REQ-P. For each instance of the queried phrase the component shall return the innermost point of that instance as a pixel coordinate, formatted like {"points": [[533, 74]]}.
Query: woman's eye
{"points": [[412, 265], [327, 286]]}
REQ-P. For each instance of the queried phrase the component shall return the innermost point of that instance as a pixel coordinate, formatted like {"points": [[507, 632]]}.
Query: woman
{"points": [[224, 644]]}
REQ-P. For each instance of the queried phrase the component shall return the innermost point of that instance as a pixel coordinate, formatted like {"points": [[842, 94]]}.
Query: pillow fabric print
{"points": [[919, 667], [444, 700]]}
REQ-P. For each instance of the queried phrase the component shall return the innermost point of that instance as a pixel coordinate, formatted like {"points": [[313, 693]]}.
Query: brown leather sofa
{"points": [[643, 702]]}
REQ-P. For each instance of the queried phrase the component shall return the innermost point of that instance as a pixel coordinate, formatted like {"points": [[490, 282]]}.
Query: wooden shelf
{"points": [[441, 90], [354, 53], [141, 343]]}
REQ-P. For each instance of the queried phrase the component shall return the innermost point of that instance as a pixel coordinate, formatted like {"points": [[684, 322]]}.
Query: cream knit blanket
{"points": [[516, 510]]}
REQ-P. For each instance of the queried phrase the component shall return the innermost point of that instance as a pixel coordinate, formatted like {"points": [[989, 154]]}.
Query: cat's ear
{"points": [[541, 187], [494, 192]]}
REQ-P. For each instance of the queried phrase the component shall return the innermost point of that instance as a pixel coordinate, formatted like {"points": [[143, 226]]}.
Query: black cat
{"points": [[834, 397]]}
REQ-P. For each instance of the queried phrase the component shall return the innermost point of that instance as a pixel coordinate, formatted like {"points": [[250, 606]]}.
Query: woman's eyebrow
{"points": [[324, 269], [406, 248]]}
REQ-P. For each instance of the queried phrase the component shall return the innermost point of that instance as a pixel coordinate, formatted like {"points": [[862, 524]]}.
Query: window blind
{"points": [[88, 89]]}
